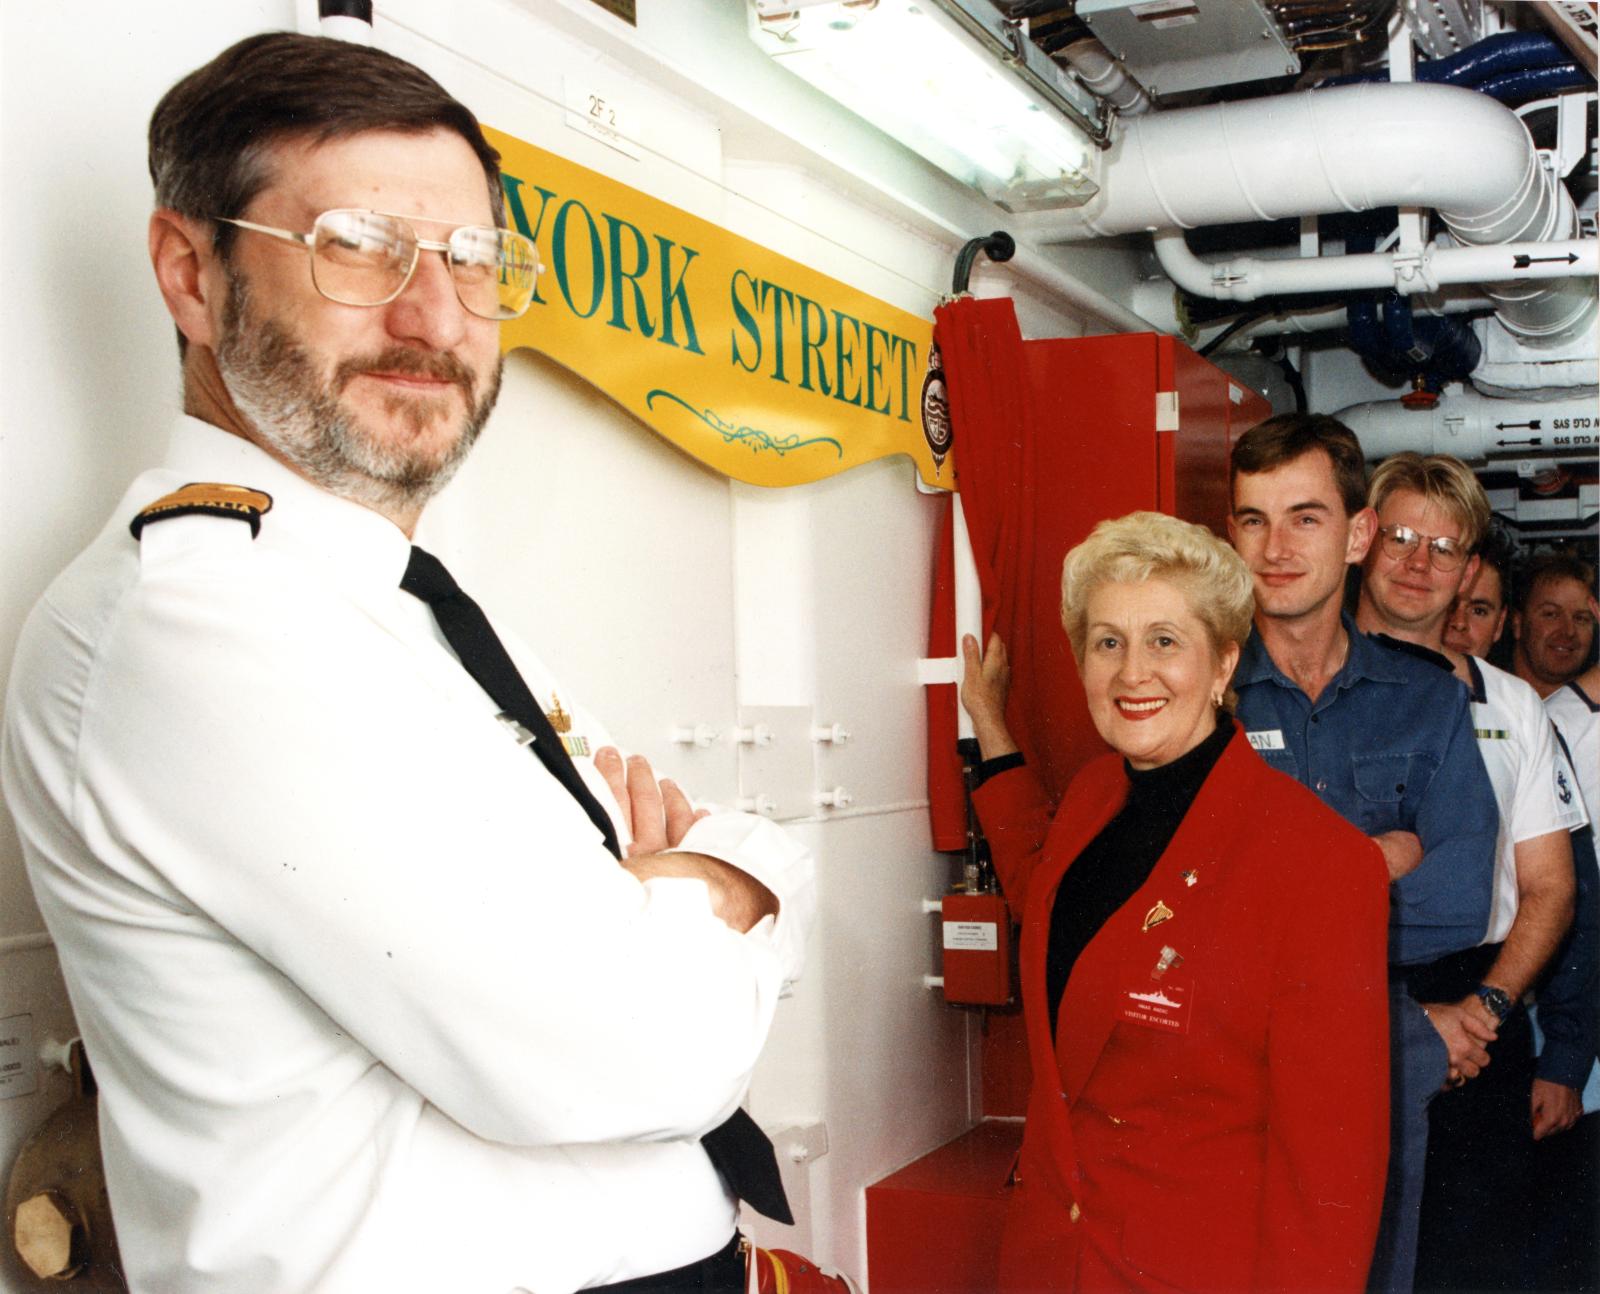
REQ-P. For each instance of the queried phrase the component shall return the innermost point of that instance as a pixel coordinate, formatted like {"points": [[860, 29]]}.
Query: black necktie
{"points": [[474, 640], [738, 1149]]}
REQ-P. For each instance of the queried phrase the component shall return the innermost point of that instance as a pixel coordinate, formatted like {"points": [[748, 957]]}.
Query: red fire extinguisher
{"points": [[976, 921]]}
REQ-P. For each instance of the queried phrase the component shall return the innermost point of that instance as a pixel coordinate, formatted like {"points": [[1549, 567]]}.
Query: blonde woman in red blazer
{"points": [[1210, 1096]]}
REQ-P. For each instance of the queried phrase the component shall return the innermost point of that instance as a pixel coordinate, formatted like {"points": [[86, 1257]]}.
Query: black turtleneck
{"points": [[1119, 860]]}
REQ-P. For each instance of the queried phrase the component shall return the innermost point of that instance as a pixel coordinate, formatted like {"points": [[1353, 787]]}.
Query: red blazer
{"points": [[1214, 1112]]}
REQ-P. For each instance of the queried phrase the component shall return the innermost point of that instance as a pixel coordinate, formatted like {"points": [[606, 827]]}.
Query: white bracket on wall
{"points": [[775, 758], [803, 1143], [1572, 136], [701, 735]]}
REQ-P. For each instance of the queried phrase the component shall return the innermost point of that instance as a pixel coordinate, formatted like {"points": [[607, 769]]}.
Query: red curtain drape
{"points": [[993, 416]]}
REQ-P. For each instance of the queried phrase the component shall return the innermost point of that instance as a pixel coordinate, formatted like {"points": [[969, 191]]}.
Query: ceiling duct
{"points": [[1350, 148]]}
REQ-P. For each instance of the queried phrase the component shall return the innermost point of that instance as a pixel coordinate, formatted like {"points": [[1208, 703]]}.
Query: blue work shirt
{"points": [[1389, 746]]}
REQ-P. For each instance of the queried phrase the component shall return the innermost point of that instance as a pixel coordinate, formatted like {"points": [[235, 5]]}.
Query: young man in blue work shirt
{"points": [[1383, 738]]}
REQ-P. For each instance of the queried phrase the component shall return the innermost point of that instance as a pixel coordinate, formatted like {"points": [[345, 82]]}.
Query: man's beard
{"points": [[275, 385]]}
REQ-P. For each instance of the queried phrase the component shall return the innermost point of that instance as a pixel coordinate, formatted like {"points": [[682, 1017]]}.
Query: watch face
{"points": [[1497, 1000]]}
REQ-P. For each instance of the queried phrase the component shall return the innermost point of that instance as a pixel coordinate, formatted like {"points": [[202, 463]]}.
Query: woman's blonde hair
{"points": [[1153, 546]]}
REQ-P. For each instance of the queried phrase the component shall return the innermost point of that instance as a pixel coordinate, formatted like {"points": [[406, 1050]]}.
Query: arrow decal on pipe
{"points": [[1517, 426], [1523, 262], [1534, 441]]}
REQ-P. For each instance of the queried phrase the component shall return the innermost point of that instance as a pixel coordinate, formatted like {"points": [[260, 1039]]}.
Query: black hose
{"points": [[1030, 8], [998, 246], [1243, 321]]}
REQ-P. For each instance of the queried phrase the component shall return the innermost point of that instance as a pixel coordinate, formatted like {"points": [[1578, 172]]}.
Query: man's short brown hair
{"points": [[1289, 436], [1551, 566], [212, 131]]}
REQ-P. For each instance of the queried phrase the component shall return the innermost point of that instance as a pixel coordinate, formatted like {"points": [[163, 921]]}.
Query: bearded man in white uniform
{"points": [[372, 1000]]}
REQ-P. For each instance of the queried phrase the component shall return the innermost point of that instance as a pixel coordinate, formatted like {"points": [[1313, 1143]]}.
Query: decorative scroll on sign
{"points": [[761, 368]]}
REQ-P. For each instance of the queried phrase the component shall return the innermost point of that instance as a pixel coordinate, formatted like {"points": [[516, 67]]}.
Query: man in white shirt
{"points": [[376, 999], [1432, 514], [1575, 709]]}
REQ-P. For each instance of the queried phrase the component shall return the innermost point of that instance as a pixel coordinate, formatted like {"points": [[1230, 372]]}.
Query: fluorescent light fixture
{"points": [[919, 71]]}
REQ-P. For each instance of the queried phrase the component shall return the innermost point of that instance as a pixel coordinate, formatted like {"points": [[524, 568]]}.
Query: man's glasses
{"points": [[1399, 542], [366, 258]]}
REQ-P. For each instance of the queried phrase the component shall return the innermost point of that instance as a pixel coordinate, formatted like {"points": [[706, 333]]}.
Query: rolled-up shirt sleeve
{"points": [[1442, 906], [772, 856]]}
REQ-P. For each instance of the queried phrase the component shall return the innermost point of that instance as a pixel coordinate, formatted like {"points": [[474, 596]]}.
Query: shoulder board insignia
{"points": [[207, 499]]}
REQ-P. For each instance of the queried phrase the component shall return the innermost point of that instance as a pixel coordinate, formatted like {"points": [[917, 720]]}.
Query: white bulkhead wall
{"points": [[665, 595]]}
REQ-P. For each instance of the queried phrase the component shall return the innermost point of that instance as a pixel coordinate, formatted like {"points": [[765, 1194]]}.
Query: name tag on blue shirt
{"points": [[1266, 739]]}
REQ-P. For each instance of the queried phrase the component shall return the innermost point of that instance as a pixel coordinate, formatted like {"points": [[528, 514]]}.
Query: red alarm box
{"points": [[977, 949]]}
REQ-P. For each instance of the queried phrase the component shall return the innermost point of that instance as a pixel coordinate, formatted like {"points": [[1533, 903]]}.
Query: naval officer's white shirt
{"points": [[1534, 787], [371, 1007], [1577, 715]]}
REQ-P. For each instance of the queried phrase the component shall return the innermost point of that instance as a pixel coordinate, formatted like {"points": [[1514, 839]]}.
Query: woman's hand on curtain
{"points": [[985, 684]]}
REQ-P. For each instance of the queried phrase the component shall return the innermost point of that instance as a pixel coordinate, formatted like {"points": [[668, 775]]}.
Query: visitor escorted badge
{"points": [[1162, 1005]]}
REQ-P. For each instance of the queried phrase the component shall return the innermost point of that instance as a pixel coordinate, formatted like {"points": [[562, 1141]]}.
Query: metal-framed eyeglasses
{"points": [[366, 258], [1399, 542]]}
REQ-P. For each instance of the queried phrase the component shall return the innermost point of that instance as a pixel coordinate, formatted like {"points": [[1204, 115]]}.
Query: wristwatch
{"points": [[1496, 999]]}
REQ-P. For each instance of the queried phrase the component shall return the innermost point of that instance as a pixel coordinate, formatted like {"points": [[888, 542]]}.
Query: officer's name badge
{"points": [[1266, 739], [518, 731]]}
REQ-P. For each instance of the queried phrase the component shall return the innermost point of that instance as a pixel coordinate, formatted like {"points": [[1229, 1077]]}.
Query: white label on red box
{"points": [[972, 936]]}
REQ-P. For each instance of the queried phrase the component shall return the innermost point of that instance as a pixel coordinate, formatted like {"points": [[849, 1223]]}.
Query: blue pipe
{"points": [[1509, 65], [1438, 349], [1530, 83], [1509, 51]]}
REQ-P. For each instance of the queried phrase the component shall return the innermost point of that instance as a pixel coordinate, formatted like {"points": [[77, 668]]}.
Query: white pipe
{"points": [[1105, 78], [1348, 148], [1476, 428], [1248, 279], [1155, 300]]}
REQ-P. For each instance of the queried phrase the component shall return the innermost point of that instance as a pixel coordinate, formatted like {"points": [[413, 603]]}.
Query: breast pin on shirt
{"points": [[561, 721], [1157, 914]]}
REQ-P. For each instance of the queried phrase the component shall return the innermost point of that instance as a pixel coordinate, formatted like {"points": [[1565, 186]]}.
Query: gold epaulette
{"points": [[210, 500]]}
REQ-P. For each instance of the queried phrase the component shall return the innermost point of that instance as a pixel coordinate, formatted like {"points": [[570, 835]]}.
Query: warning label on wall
{"points": [[19, 1063]]}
